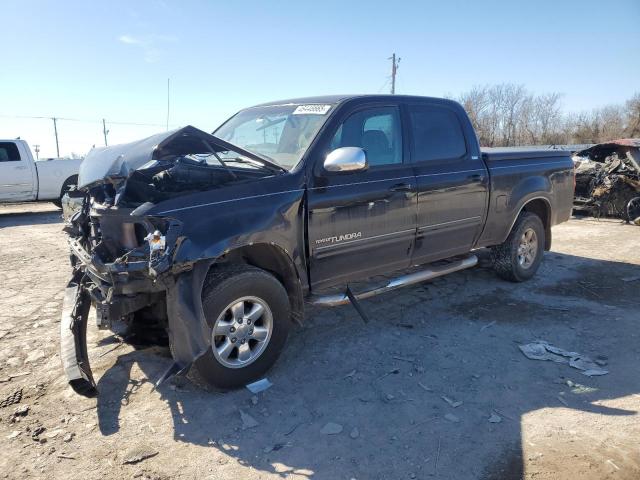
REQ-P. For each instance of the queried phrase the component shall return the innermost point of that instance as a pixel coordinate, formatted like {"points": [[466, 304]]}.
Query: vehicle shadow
{"points": [[384, 382], [11, 218]]}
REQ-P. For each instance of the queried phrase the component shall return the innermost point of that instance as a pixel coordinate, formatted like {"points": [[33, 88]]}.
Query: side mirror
{"points": [[346, 159]]}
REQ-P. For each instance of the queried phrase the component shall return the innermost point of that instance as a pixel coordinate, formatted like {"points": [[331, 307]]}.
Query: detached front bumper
{"points": [[73, 337], [116, 290]]}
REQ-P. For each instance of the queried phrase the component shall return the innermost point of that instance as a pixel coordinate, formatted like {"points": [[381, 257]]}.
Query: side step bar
{"points": [[432, 272]]}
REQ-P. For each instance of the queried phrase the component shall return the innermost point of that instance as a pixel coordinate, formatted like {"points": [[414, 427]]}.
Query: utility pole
{"points": [[104, 131], [394, 71], [167, 104], [37, 149], [55, 130]]}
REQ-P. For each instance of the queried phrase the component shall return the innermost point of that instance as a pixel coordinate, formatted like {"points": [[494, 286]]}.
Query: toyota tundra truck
{"points": [[220, 240]]}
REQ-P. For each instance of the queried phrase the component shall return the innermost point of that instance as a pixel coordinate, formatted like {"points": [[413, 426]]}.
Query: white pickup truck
{"points": [[23, 179]]}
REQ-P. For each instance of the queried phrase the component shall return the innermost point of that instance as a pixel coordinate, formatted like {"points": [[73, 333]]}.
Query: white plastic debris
{"points": [[452, 418], [331, 428], [248, 421], [541, 350], [259, 386], [495, 418]]}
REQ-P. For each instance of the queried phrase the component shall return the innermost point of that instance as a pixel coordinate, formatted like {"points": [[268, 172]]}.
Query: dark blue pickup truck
{"points": [[218, 240]]}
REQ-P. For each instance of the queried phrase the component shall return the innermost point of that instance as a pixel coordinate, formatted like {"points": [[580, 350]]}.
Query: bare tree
{"points": [[508, 115]]}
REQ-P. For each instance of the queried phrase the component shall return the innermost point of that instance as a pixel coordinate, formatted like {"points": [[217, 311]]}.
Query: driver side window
{"points": [[376, 131]]}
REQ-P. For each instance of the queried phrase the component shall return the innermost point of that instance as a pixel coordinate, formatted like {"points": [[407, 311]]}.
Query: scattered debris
{"points": [[331, 429], [424, 387], [254, 400], [451, 403], [18, 413], [495, 418], [541, 350], [504, 415], [613, 464], [138, 454], [12, 399], [451, 417], [259, 386], [350, 374], [355, 433], [66, 456], [35, 434], [405, 325], [608, 180], [8, 378], [488, 325], [404, 359], [578, 388], [395, 371], [13, 434], [248, 421], [276, 447], [563, 401], [68, 437], [293, 429]]}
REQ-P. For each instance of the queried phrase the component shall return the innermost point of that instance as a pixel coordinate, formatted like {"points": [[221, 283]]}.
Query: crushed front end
{"points": [[122, 265], [123, 251]]}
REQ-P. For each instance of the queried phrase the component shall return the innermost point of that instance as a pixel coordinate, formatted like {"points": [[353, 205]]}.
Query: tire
{"points": [[510, 263], [249, 286], [66, 186]]}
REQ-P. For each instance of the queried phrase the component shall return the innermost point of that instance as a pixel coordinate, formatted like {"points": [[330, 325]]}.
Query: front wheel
{"points": [[519, 257], [249, 315]]}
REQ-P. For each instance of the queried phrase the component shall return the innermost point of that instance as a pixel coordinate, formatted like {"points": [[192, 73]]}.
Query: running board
{"points": [[417, 277]]}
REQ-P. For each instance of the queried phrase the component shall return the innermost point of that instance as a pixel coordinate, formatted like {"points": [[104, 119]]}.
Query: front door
{"points": [[452, 182], [16, 176], [362, 223]]}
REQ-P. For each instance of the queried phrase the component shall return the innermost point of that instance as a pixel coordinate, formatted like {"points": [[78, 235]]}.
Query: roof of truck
{"points": [[334, 99]]}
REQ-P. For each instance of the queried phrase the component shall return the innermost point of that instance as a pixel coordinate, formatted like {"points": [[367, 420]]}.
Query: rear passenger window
{"points": [[9, 152], [436, 134]]}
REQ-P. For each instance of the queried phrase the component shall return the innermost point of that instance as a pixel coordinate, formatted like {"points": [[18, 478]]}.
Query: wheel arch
{"points": [[70, 177], [275, 260], [540, 206]]}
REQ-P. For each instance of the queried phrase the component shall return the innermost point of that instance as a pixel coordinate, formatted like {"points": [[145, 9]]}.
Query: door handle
{"points": [[475, 177], [401, 187]]}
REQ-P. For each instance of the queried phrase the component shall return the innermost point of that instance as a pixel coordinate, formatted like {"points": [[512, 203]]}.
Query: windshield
{"points": [[282, 133]]}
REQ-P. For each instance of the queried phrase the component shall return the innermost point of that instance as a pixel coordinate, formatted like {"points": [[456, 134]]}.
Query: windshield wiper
{"points": [[263, 164]]}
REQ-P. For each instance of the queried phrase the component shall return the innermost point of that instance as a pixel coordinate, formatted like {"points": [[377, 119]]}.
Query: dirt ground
{"points": [[382, 383]]}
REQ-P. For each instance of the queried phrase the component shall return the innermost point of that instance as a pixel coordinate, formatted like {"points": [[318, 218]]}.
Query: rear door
{"points": [[452, 181], [16, 173], [362, 223]]}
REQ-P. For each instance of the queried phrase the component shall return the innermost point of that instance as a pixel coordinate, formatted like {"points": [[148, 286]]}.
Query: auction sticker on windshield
{"points": [[311, 109]]}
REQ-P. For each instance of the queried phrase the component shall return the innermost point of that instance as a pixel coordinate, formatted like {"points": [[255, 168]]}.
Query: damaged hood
{"points": [[110, 164]]}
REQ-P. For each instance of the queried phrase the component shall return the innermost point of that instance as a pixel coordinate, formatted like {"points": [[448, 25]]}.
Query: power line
{"points": [[82, 120]]}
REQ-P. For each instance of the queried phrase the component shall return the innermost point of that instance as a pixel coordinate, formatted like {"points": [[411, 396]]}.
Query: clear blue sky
{"points": [[93, 60]]}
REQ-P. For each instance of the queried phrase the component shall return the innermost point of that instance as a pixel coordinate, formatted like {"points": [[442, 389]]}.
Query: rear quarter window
{"points": [[9, 152], [436, 134]]}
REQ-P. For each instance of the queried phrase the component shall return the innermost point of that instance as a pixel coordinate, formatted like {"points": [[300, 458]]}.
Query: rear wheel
{"points": [[519, 257], [247, 310]]}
